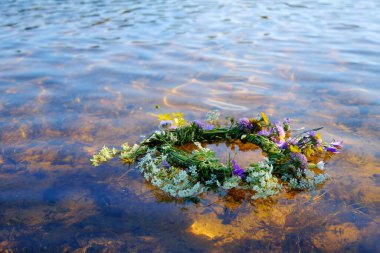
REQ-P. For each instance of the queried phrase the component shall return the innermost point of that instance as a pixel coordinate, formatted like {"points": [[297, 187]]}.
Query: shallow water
{"points": [[75, 76]]}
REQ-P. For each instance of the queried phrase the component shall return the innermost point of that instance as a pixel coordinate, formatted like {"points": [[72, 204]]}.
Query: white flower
{"points": [[321, 165]]}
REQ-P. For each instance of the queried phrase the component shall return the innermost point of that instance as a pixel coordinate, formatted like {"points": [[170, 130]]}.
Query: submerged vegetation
{"points": [[294, 157]]}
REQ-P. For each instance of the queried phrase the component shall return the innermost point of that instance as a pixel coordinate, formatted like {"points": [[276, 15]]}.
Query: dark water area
{"points": [[77, 75]]}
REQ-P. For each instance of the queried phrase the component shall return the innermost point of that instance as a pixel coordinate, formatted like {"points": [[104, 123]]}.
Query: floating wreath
{"points": [[293, 160]]}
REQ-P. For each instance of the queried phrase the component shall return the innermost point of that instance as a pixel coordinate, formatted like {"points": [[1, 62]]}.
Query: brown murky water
{"points": [[77, 76]]}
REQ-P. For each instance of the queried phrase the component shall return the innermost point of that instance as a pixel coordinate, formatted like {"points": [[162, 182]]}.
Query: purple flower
{"points": [[244, 123], [282, 144], [204, 126], [166, 124], [299, 158], [292, 141], [332, 150], [165, 164], [337, 144], [198, 122], [286, 124], [208, 127], [312, 134], [265, 132], [238, 171], [280, 130]]}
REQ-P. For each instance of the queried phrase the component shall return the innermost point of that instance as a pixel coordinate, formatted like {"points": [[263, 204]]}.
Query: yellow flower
{"points": [[165, 116], [294, 149], [308, 151], [176, 117], [265, 118], [318, 136]]}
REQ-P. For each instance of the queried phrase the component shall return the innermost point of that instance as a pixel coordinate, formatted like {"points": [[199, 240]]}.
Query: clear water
{"points": [[77, 75]]}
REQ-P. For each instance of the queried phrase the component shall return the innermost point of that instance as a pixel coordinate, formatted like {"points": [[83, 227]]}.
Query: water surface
{"points": [[75, 76]]}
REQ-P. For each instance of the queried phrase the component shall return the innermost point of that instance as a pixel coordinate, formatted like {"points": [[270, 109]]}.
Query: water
{"points": [[75, 76]]}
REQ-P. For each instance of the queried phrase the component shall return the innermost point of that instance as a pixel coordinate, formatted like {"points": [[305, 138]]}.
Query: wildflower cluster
{"points": [[171, 121], [104, 155], [294, 159], [174, 181]]}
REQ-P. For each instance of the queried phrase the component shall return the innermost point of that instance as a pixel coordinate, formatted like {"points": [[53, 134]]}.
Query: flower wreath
{"points": [[294, 161]]}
